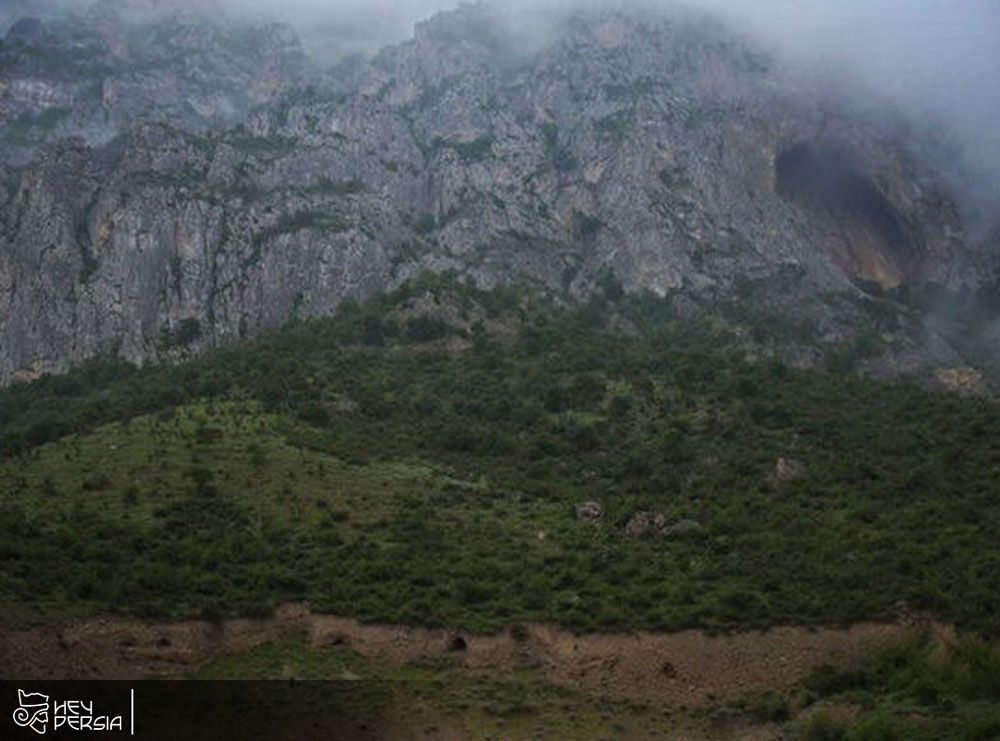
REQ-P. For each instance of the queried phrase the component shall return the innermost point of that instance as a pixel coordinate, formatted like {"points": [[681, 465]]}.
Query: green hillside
{"points": [[420, 459]]}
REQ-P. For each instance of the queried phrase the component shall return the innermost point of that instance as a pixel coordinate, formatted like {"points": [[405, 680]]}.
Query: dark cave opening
{"points": [[825, 177]]}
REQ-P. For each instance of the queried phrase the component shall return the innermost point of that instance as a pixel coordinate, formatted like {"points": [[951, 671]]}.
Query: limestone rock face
{"points": [[97, 73], [171, 181]]}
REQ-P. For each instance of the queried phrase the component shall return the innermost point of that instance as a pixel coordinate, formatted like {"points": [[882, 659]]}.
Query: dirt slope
{"points": [[678, 668]]}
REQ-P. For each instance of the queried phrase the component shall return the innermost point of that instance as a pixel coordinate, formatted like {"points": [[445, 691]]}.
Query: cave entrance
{"points": [[825, 177]]}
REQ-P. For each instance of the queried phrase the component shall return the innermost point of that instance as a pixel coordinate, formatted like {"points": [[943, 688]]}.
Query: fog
{"points": [[937, 60]]}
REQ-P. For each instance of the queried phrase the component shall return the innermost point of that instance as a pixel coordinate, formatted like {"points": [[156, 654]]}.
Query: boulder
{"points": [[786, 469], [589, 510]]}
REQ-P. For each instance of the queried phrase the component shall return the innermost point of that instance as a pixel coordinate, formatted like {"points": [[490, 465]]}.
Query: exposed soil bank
{"points": [[677, 668]]}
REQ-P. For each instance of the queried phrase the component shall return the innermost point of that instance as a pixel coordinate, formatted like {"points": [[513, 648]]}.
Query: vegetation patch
{"points": [[439, 695], [615, 126], [325, 221], [916, 689], [319, 462], [475, 150]]}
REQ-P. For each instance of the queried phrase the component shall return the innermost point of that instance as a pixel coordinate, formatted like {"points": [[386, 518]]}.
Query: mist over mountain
{"points": [[938, 61], [177, 175]]}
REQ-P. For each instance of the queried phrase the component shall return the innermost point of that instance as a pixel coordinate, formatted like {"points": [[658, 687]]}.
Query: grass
{"points": [[375, 475], [215, 486], [916, 689], [519, 703]]}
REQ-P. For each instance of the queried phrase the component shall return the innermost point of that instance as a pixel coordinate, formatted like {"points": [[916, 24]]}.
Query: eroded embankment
{"points": [[682, 668]]}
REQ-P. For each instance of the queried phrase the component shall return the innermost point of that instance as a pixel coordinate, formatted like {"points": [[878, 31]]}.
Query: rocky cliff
{"points": [[175, 182], [117, 62]]}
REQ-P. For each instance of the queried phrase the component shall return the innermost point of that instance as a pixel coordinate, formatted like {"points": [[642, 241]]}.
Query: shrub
{"points": [[821, 726]]}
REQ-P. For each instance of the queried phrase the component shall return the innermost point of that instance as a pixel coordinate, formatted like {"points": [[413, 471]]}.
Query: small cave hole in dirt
{"points": [[457, 644], [825, 177], [519, 632], [163, 643]]}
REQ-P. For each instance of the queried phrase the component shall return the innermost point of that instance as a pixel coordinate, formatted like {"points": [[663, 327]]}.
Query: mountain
{"points": [[522, 373], [96, 73], [174, 181]]}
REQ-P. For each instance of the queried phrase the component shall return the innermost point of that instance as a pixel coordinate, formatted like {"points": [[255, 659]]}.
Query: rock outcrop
{"points": [[179, 183]]}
